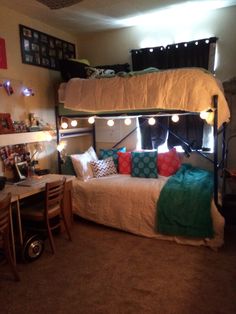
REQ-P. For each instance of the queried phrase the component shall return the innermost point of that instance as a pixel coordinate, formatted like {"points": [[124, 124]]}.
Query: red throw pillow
{"points": [[124, 162], [168, 163]]}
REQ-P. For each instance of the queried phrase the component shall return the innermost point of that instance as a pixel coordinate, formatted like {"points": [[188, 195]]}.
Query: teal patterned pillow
{"points": [[67, 167], [105, 153], [144, 164]]}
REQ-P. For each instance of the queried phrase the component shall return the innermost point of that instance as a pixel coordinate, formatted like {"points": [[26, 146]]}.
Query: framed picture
{"points": [[6, 125], [43, 50], [22, 170]]}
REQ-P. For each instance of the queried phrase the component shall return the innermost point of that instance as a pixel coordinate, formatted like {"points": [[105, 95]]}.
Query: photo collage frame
{"points": [[44, 50]]}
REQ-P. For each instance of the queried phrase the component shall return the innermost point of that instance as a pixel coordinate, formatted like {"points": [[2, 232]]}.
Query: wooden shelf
{"points": [[26, 137]]}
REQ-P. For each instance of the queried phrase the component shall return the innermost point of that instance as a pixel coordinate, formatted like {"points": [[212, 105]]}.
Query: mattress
{"points": [[128, 203], [187, 89]]}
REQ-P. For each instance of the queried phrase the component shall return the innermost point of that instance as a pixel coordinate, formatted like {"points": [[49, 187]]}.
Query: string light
{"points": [[175, 118], [48, 137], [61, 146], [74, 123], [64, 125], [91, 120], [8, 88], [110, 122], [127, 121], [210, 118], [151, 121], [204, 115], [27, 92]]}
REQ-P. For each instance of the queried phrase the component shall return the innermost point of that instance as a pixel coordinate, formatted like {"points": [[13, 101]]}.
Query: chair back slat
{"points": [[5, 204], [54, 194]]}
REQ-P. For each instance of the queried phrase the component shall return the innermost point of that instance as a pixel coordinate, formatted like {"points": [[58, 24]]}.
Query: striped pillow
{"points": [[103, 168]]}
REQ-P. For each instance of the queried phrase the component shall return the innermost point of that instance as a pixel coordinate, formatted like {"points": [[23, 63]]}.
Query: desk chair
{"points": [[50, 212], [5, 245]]}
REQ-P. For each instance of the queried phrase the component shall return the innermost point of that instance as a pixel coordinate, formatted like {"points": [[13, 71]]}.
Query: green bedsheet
{"points": [[184, 205]]}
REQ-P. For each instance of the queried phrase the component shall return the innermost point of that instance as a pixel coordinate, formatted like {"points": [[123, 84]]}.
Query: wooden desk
{"points": [[19, 192]]}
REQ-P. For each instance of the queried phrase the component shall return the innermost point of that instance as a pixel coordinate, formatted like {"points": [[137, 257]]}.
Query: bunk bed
{"points": [[189, 90]]}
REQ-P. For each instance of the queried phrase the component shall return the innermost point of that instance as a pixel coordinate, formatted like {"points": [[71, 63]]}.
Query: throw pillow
{"points": [[105, 153], [124, 162], [103, 168], [81, 163], [67, 167], [144, 164], [92, 72], [168, 163]]}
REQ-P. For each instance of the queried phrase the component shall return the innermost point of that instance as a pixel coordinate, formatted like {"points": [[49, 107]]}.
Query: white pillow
{"points": [[81, 164]]}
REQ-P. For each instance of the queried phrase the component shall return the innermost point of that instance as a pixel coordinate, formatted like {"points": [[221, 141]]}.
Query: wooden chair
{"points": [[5, 242], [50, 212]]}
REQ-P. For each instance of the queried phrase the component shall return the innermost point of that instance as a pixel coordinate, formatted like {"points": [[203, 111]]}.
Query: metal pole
{"points": [[215, 103], [58, 139]]}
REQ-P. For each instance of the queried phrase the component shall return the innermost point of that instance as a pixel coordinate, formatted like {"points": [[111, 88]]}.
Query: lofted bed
{"points": [[189, 91]]}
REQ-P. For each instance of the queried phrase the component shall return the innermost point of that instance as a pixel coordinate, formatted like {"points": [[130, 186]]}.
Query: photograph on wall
{"points": [[44, 50]]}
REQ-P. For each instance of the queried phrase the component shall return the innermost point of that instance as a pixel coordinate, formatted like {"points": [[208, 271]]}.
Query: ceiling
{"points": [[99, 15]]}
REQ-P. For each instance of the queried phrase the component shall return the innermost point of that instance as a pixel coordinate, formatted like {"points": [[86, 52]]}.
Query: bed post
{"points": [[58, 138], [215, 132], [223, 144], [94, 137]]}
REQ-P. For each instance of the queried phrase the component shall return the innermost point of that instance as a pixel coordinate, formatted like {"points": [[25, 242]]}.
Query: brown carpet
{"points": [[108, 271]]}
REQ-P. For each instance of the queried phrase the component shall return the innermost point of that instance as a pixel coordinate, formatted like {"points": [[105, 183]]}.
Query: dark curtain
{"points": [[192, 54], [186, 54], [189, 128], [149, 57], [153, 135]]}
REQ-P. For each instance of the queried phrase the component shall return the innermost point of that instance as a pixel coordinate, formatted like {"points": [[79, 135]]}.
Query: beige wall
{"points": [[44, 82], [113, 46]]}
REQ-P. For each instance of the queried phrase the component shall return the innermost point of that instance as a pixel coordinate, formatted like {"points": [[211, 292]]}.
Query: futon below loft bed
{"points": [[189, 90]]}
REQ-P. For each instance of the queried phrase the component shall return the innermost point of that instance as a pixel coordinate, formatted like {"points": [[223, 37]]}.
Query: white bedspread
{"points": [[129, 204], [187, 89]]}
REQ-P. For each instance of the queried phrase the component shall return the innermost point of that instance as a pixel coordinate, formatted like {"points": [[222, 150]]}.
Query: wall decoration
{"points": [[44, 50], [13, 154], [3, 56], [6, 125]]}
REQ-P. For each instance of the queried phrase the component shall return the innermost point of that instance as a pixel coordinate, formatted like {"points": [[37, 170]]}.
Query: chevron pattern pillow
{"points": [[103, 168]]}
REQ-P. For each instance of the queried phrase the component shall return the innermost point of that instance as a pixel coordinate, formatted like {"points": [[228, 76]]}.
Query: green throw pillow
{"points": [[144, 164], [105, 153], [67, 167]]}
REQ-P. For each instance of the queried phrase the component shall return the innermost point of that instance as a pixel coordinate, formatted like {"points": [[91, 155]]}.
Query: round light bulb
{"points": [[91, 120], [26, 92], [74, 123], [210, 118], [151, 121], [48, 137], [110, 122], [204, 115], [64, 125], [175, 118], [60, 147], [127, 121]]}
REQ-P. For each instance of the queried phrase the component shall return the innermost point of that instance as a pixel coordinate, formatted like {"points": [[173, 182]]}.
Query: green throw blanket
{"points": [[184, 206]]}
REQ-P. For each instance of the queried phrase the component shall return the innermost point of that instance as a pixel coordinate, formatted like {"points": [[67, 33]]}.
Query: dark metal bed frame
{"points": [[216, 164]]}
